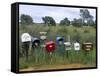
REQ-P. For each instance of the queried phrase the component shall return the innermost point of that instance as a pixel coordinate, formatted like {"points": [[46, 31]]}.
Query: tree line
{"points": [[86, 19]]}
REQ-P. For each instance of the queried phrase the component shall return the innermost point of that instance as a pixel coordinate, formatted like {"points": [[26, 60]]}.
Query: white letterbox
{"points": [[67, 45], [76, 46], [43, 35], [25, 37]]}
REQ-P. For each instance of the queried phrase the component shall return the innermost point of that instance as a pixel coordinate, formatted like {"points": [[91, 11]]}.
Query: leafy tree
{"points": [[65, 21], [49, 21], [77, 22], [26, 19], [90, 22], [95, 23], [85, 15]]}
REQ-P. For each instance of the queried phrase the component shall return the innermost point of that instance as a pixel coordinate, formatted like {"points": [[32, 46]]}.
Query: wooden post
{"points": [[50, 48], [67, 45]]}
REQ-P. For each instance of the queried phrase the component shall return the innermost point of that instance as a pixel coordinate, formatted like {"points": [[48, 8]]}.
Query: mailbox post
{"points": [[50, 48], [35, 46], [26, 39], [87, 47], [43, 38], [67, 47], [60, 45]]}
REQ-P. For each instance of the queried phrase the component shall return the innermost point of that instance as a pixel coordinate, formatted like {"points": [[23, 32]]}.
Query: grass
{"points": [[73, 58], [59, 57]]}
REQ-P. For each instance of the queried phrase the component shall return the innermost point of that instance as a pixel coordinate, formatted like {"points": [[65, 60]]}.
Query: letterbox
{"points": [[50, 46], [67, 45], [87, 46], [43, 35], [35, 42], [25, 37], [76, 46], [59, 40]]}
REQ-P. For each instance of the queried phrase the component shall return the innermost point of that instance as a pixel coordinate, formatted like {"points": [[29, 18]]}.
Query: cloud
{"points": [[58, 13]]}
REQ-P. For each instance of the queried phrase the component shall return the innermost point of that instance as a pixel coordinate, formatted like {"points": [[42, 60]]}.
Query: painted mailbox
{"points": [[25, 37], [76, 46], [43, 35], [67, 45], [87, 46], [59, 40], [50, 46], [35, 42]]}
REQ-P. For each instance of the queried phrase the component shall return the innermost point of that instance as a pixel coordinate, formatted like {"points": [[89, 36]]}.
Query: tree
{"points": [[90, 22], [85, 15], [95, 23], [77, 22], [65, 21], [26, 19], [49, 21]]}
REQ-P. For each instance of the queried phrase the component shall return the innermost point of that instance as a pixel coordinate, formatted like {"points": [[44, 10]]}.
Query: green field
{"points": [[41, 58]]}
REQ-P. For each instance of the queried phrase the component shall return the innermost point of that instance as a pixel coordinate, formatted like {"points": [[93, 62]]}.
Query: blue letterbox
{"points": [[59, 40]]}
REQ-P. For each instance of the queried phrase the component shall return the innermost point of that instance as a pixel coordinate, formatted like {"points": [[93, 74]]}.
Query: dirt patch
{"points": [[54, 67]]}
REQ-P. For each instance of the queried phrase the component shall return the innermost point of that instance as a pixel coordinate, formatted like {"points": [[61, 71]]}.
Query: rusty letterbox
{"points": [[87, 46]]}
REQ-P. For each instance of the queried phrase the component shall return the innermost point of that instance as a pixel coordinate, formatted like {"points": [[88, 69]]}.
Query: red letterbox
{"points": [[50, 46]]}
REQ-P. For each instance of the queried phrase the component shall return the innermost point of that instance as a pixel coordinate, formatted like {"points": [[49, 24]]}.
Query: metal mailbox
{"points": [[25, 37], [43, 35], [50, 46], [76, 46], [35, 42], [67, 45], [59, 40], [87, 46]]}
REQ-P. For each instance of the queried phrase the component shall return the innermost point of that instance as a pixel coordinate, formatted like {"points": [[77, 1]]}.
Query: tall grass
{"points": [[40, 57]]}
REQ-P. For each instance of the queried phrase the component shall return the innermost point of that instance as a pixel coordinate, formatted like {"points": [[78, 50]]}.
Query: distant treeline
{"points": [[86, 19]]}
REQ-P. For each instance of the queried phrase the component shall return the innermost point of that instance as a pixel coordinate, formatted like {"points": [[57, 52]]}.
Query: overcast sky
{"points": [[58, 13]]}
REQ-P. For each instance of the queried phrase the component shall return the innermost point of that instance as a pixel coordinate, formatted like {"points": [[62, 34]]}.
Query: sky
{"points": [[58, 13]]}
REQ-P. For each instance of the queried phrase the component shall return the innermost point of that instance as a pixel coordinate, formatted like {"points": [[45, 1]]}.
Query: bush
{"points": [[86, 31]]}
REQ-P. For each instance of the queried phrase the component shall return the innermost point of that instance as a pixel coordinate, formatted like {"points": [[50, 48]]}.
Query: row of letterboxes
{"points": [[51, 45]]}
